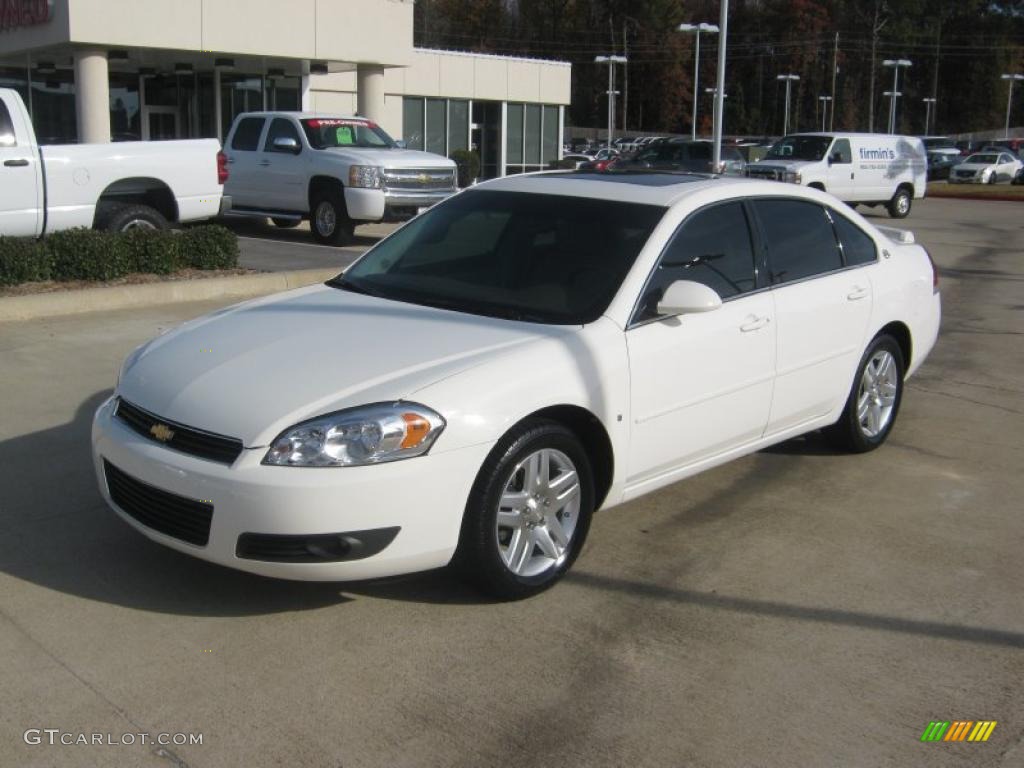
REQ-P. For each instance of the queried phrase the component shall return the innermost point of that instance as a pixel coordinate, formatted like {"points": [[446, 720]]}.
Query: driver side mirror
{"points": [[686, 297], [400, 143], [286, 144]]}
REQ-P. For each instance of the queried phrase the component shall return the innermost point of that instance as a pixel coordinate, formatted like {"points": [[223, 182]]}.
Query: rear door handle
{"points": [[263, 163], [19, 163], [857, 293], [754, 322]]}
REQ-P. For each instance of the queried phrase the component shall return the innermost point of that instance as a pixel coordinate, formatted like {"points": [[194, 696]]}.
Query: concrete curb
{"points": [[58, 303]]}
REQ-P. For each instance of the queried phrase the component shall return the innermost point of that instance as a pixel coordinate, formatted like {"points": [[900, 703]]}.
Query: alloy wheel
{"points": [[876, 396]]}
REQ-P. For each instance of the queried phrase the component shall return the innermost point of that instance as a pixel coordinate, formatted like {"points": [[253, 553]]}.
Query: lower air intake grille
{"points": [[165, 512]]}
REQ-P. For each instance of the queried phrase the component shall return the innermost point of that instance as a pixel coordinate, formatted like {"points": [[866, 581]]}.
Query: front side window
{"points": [[281, 128], [841, 152], [328, 133], [857, 247], [800, 148], [799, 237], [543, 258], [712, 247], [247, 134]]}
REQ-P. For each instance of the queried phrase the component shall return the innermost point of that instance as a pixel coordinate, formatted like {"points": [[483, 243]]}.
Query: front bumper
{"points": [[424, 497], [377, 204]]}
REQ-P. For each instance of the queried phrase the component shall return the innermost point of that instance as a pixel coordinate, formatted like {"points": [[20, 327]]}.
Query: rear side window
{"points": [[800, 239], [247, 135], [857, 247], [711, 247], [6, 127], [280, 128]]}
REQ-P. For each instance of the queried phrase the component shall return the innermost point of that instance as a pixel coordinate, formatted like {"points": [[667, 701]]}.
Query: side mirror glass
{"points": [[400, 144], [286, 144], [686, 297]]}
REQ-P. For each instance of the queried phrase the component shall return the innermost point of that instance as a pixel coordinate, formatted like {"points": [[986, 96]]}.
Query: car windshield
{"points": [[325, 133], [535, 257], [982, 159], [801, 147]]}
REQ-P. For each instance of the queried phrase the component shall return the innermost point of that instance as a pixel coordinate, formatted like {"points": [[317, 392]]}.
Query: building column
{"points": [[370, 92], [92, 96]]}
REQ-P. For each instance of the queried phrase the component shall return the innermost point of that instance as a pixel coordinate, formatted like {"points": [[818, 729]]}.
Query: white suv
{"points": [[335, 171]]}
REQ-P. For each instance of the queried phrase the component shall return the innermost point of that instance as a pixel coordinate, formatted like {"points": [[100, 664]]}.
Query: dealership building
{"points": [[119, 70]]}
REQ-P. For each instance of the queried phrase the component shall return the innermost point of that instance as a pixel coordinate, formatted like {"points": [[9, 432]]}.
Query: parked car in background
{"points": [[480, 382], [939, 165], [867, 168], [1019, 178], [684, 155], [336, 172], [128, 185], [985, 168], [578, 160], [940, 145]]}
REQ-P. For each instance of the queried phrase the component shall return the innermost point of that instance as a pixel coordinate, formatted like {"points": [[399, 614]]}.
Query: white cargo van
{"points": [[866, 168]]}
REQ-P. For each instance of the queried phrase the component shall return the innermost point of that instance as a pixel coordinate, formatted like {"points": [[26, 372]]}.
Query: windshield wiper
{"points": [[348, 285], [488, 310]]}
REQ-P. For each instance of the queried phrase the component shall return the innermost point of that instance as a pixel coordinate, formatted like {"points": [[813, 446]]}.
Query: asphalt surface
{"points": [[793, 608]]}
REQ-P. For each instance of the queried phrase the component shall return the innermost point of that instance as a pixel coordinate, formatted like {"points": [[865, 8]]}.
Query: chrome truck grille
{"points": [[419, 179]]}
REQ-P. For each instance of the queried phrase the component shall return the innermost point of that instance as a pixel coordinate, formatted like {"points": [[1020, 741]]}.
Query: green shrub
{"points": [[85, 254], [209, 247], [468, 164]]}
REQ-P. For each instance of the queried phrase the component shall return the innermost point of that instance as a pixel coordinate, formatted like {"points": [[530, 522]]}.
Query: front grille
{"points": [[965, 174], [168, 513], [195, 442], [764, 173], [419, 179]]}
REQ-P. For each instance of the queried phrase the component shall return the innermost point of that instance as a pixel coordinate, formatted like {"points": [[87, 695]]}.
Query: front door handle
{"points": [[754, 322], [857, 293], [263, 163], [19, 163]]}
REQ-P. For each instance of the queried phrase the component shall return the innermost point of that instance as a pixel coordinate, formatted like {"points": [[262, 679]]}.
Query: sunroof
{"points": [[642, 178]]}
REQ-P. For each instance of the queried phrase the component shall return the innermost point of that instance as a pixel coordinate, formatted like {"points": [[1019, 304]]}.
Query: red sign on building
{"points": [[24, 13]]}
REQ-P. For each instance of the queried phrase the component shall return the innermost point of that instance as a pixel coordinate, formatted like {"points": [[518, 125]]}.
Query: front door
{"points": [[701, 384], [840, 181]]}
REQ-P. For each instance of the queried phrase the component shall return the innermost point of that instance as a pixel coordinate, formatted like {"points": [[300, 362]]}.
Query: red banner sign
{"points": [[24, 13]]}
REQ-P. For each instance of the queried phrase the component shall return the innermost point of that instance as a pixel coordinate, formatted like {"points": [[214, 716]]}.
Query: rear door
{"points": [[283, 179], [20, 204], [245, 174], [822, 307]]}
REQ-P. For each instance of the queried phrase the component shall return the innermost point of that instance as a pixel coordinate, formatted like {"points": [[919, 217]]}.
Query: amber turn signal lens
{"points": [[416, 429]]}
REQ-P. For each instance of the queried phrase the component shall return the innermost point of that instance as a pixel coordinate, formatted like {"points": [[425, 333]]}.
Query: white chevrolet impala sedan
{"points": [[532, 350]]}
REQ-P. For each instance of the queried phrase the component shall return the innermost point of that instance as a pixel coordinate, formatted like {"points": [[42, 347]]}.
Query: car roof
{"points": [[307, 115], [640, 186]]}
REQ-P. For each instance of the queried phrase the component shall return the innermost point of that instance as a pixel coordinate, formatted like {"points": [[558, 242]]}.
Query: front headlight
{"points": [[792, 177], [370, 434], [364, 176]]}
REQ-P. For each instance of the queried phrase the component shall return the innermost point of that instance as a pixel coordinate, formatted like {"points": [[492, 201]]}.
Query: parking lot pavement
{"points": [[269, 248], [793, 608]]}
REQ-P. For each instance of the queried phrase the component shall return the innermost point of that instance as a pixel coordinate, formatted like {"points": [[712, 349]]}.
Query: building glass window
{"points": [[53, 107], [239, 93], [550, 142], [436, 127], [125, 110], [412, 122], [514, 134], [458, 125]]}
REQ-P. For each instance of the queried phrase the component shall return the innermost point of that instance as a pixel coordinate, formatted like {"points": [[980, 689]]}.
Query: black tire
{"points": [[994, 178], [342, 230], [899, 206], [120, 217], [478, 557], [848, 434], [286, 223]]}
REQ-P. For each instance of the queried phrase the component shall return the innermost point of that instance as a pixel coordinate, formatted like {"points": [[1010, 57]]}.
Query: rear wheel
{"points": [[528, 513], [874, 400], [120, 217], [900, 204], [329, 221]]}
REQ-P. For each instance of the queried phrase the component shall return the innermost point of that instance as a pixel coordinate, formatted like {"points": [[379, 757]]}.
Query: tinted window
{"points": [[799, 237], [543, 258], [711, 247], [6, 127], [857, 247], [841, 151], [247, 134], [281, 129]]}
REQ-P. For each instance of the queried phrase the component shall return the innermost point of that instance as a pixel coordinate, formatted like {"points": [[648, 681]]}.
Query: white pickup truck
{"points": [[335, 171], [137, 184]]}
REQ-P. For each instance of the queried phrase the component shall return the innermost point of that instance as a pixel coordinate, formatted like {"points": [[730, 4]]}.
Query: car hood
{"points": [[973, 166], [392, 158], [253, 370]]}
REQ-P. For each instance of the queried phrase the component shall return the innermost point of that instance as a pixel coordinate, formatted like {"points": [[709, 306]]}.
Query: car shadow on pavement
{"points": [[810, 444], [244, 226], [57, 532]]}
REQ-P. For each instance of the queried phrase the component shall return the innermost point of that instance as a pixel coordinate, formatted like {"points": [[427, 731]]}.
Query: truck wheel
{"points": [[116, 217], [329, 221], [286, 223], [899, 206]]}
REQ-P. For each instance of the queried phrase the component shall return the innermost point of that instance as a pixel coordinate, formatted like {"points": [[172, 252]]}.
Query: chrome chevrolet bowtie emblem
{"points": [[161, 432], [424, 178]]}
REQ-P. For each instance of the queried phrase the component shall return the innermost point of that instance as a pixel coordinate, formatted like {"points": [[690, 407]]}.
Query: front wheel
{"points": [[899, 206], [329, 221], [528, 512], [874, 401]]}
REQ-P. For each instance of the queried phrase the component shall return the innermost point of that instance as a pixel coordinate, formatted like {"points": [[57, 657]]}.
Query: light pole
{"points": [[696, 29], [896, 64], [711, 92], [785, 118], [824, 109], [611, 61], [928, 101], [1009, 99]]}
